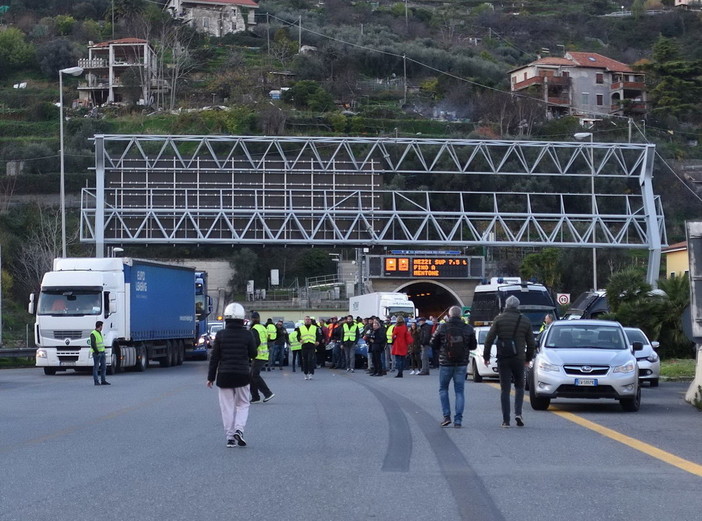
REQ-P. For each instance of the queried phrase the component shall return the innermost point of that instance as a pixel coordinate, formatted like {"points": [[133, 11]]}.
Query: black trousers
{"points": [[257, 383], [377, 362], [296, 355], [308, 358], [511, 370]]}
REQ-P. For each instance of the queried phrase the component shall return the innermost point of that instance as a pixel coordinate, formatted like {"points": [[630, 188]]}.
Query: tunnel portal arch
{"points": [[431, 297]]}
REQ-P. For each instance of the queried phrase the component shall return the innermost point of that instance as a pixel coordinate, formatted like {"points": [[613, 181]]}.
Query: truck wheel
{"points": [[167, 360], [142, 360], [49, 371], [476, 375], [114, 367], [180, 349]]}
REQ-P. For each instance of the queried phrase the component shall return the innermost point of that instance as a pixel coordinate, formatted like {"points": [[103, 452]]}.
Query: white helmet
{"points": [[234, 311]]}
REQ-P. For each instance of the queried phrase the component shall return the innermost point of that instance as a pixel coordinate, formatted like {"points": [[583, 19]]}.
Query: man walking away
{"points": [[97, 348], [260, 335], [425, 335], [454, 339], [230, 368], [511, 332]]}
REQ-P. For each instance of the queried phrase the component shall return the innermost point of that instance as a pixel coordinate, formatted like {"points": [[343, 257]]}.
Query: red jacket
{"points": [[401, 340]]}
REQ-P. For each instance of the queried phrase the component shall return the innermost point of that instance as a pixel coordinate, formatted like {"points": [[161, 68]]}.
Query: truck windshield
{"points": [[399, 310], [69, 302]]}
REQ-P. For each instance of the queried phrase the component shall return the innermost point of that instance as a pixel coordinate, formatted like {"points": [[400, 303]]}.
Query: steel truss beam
{"points": [[343, 191]]}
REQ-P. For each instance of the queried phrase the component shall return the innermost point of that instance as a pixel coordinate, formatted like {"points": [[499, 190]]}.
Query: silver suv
{"points": [[585, 359]]}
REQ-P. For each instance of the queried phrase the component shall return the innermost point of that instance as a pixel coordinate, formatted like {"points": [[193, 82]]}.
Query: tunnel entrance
{"points": [[430, 298]]}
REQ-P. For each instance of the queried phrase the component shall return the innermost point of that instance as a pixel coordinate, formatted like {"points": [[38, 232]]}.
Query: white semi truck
{"points": [[149, 310], [382, 304]]}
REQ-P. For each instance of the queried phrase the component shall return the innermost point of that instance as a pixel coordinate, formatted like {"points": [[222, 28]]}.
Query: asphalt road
{"points": [[340, 447]]}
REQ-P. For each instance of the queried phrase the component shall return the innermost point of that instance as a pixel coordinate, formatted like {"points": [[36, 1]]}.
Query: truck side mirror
{"points": [[30, 307], [110, 303]]}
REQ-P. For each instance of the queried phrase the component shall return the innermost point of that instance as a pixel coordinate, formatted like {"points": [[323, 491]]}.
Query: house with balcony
{"points": [[120, 71], [582, 84], [215, 17]]}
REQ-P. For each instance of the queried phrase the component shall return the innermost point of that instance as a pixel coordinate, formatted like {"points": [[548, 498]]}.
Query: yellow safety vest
{"points": [[388, 333], [263, 346], [99, 341], [295, 344], [349, 332], [308, 335], [272, 331]]}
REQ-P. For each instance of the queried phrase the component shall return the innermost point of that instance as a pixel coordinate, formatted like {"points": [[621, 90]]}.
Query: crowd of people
{"points": [[390, 345]]}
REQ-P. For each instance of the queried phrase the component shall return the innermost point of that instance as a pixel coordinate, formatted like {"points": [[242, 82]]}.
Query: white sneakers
{"points": [[308, 377]]}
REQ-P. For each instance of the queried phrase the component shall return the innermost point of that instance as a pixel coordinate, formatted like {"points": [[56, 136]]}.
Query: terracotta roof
{"points": [[592, 59], [121, 41], [247, 3], [581, 59], [678, 246]]}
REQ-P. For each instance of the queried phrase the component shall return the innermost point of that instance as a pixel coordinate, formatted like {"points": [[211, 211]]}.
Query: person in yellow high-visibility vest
{"points": [[310, 338], [260, 334], [295, 348], [349, 338], [97, 348]]}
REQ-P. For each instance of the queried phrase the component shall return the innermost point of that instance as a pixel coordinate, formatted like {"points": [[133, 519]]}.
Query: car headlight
{"points": [[545, 366], [41, 353], [626, 368], [652, 357]]}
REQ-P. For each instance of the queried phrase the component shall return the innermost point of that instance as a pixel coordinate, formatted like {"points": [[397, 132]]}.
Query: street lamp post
{"points": [[72, 71], [580, 136]]}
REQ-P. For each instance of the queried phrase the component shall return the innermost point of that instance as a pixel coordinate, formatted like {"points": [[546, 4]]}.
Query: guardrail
{"points": [[20, 352]]}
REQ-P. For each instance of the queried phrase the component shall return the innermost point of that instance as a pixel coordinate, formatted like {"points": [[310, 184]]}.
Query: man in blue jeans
{"points": [[454, 340]]}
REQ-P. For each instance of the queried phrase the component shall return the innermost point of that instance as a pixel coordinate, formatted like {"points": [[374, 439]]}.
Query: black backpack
{"points": [[456, 343]]}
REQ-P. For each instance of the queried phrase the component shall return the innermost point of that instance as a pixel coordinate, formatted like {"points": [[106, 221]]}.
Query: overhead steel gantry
{"points": [[359, 192]]}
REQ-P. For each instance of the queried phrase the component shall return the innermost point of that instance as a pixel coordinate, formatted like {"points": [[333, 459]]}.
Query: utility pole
{"points": [[404, 66], [630, 122], [268, 33], [299, 33]]}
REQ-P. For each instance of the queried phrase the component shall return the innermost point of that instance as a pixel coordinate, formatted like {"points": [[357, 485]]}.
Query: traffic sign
{"points": [[563, 299]]}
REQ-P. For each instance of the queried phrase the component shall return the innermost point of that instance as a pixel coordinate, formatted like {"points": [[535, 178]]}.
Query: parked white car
{"points": [[585, 359], [647, 359], [477, 369]]}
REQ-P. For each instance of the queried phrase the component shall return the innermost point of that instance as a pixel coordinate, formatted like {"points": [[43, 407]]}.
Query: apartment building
{"points": [[582, 84]]}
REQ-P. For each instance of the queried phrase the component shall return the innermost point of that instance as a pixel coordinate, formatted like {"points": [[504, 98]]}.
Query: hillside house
{"points": [[689, 4], [119, 71], [582, 83], [215, 17]]}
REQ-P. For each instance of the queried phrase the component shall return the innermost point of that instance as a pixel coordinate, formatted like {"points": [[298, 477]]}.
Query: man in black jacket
{"points": [[425, 341], [455, 339], [513, 333], [230, 367]]}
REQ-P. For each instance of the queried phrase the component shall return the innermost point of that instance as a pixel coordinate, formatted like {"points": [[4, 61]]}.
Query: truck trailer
{"points": [[382, 304], [148, 309]]}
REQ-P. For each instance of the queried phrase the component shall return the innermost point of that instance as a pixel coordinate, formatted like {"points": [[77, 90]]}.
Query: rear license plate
{"points": [[591, 382]]}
